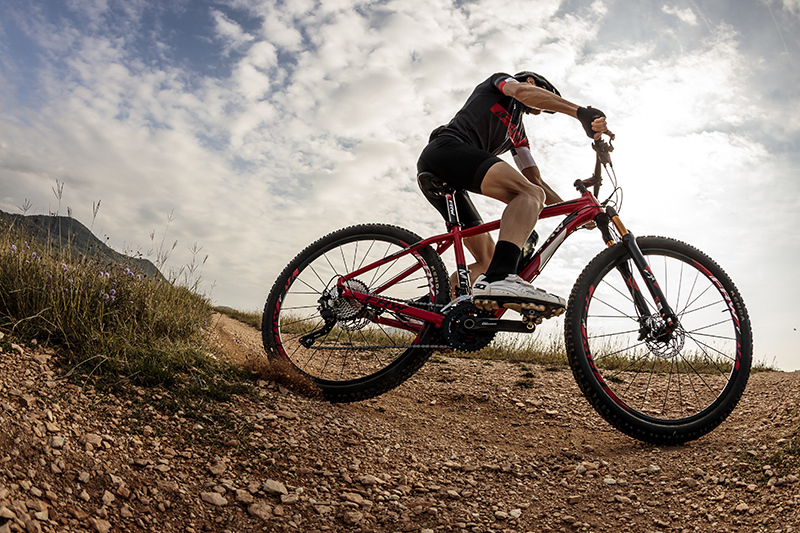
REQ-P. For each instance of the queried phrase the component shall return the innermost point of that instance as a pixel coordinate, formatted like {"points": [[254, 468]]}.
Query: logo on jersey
{"points": [[517, 137]]}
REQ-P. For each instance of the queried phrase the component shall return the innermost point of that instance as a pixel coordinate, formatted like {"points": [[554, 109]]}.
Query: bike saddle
{"points": [[433, 185]]}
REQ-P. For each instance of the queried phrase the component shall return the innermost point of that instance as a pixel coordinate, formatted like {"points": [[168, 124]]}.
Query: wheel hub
{"points": [[662, 340]]}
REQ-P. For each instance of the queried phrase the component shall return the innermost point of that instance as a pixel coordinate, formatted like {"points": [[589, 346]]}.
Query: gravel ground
{"points": [[464, 446]]}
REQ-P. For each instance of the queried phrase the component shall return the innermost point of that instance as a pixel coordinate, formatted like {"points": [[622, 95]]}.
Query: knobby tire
{"points": [[360, 357], [658, 390]]}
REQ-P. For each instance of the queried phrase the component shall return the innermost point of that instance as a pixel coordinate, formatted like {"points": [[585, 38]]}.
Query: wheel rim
{"points": [[666, 378], [361, 341]]}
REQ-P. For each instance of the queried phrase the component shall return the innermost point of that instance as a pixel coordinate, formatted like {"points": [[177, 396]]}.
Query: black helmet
{"points": [[540, 80]]}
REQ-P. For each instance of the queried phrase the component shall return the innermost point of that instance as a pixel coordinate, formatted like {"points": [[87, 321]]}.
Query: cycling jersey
{"points": [[490, 119]]}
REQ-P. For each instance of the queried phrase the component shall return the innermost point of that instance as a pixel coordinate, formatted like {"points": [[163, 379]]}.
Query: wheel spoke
{"points": [[343, 342]]}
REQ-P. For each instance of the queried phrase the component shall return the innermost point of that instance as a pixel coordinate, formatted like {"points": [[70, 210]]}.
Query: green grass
{"points": [[544, 350], [105, 320]]}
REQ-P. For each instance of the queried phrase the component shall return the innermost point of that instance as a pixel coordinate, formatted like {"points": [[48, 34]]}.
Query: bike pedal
{"points": [[487, 305]]}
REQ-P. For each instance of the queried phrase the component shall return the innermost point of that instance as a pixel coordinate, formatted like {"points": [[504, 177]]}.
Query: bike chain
{"points": [[427, 306]]}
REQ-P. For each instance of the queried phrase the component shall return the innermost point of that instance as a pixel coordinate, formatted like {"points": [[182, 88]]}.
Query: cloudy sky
{"points": [[256, 126]]}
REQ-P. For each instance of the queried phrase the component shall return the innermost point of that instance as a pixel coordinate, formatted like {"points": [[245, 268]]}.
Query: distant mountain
{"points": [[65, 232]]}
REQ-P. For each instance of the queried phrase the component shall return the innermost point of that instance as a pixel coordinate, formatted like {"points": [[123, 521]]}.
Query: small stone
{"points": [[368, 480], [84, 477], [260, 510], [742, 508], [91, 438], [353, 497], [572, 500], [100, 525], [690, 482], [57, 442], [453, 494], [218, 468], [609, 481], [653, 469], [126, 512], [288, 415], [214, 498], [7, 513], [352, 517], [244, 496], [515, 513], [108, 498], [289, 499], [622, 499], [78, 513], [271, 486]]}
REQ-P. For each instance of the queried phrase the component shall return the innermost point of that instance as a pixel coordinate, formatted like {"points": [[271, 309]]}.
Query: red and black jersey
{"points": [[490, 120]]}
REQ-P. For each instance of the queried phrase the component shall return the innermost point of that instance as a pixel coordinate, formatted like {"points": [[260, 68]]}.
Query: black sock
{"points": [[504, 261]]}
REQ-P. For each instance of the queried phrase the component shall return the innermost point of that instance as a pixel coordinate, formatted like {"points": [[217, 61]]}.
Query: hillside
{"points": [[461, 447], [66, 233]]}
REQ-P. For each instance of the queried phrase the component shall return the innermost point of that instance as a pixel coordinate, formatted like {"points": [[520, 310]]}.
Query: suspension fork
{"points": [[636, 255]]}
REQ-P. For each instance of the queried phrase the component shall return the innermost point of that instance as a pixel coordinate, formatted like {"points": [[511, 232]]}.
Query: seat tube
{"points": [[454, 226]]}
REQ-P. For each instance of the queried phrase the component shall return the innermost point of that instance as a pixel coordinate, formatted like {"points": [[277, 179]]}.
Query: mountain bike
{"points": [[657, 335]]}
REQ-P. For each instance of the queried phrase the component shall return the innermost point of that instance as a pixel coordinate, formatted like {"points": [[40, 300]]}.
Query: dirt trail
{"points": [[464, 446]]}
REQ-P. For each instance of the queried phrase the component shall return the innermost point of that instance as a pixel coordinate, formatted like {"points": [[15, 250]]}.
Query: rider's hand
{"points": [[593, 121]]}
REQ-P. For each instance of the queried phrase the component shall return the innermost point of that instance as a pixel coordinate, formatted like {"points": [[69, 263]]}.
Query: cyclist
{"points": [[463, 153]]}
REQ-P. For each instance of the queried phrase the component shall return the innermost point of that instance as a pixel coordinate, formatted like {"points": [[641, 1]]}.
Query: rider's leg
{"points": [[524, 201]]}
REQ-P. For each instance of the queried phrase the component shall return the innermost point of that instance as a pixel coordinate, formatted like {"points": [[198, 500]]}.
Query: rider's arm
{"points": [[533, 175], [527, 165], [538, 98]]}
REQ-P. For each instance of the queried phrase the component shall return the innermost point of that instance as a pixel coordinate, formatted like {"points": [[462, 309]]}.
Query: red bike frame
{"points": [[578, 213]]}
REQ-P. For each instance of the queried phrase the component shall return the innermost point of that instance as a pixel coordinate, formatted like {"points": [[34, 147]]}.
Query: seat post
{"points": [[452, 212]]}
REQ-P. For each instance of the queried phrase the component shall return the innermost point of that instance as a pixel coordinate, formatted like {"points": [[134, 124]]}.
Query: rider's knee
{"points": [[535, 195]]}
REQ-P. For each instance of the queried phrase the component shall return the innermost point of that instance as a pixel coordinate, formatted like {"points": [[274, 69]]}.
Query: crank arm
{"points": [[495, 324]]}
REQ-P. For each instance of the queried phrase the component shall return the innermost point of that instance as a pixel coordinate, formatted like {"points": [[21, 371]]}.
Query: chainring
{"points": [[456, 336]]}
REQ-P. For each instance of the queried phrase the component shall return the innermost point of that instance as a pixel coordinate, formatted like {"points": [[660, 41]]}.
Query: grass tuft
{"points": [[105, 319]]}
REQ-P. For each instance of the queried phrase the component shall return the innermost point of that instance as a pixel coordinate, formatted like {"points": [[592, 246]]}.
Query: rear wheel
{"points": [[655, 385], [350, 350]]}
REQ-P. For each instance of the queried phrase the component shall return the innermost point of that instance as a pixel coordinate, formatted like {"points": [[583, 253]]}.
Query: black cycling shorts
{"points": [[461, 166]]}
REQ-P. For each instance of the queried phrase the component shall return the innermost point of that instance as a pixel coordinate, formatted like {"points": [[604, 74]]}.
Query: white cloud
{"points": [[230, 32], [327, 106], [685, 15], [792, 5]]}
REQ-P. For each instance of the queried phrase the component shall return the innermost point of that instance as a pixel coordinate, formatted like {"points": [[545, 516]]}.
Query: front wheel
{"points": [[655, 384], [349, 350]]}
